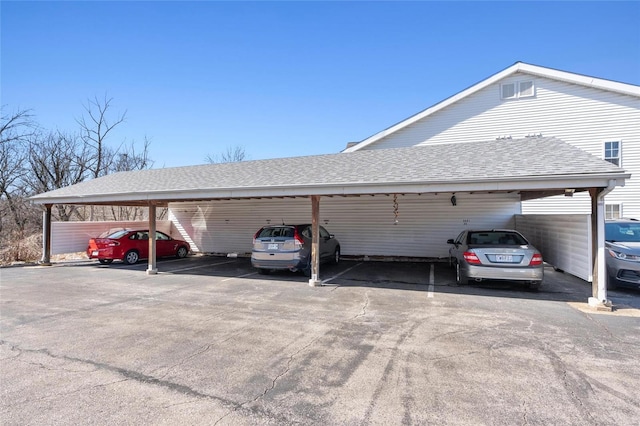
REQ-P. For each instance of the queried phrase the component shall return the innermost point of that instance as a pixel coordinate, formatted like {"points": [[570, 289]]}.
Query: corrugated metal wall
{"points": [[364, 225], [73, 237], [564, 240]]}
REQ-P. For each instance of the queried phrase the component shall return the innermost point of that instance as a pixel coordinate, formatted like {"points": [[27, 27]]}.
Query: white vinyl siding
{"points": [[364, 225], [581, 116], [563, 240]]}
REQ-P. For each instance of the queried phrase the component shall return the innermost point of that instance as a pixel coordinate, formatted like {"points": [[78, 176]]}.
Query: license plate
{"points": [[94, 253], [504, 258], [272, 247]]}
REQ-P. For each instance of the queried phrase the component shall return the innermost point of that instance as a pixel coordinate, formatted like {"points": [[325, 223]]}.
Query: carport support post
{"points": [[315, 241], [152, 269], [46, 235], [599, 284]]}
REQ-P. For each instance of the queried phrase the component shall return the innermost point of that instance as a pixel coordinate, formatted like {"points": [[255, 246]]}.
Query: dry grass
{"points": [[22, 250]]}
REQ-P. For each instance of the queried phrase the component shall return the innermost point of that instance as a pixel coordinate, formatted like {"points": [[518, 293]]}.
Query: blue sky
{"points": [[287, 79]]}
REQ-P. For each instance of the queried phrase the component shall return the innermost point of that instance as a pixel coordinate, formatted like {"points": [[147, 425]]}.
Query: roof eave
{"points": [[524, 183]]}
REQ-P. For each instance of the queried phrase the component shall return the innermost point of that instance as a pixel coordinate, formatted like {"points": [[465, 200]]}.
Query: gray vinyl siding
{"points": [[579, 115], [364, 225]]}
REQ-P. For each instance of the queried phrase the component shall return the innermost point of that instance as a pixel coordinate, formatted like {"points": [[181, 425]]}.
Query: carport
{"points": [[530, 168]]}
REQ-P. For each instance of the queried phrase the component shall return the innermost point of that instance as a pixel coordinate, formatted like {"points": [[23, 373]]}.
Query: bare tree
{"points": [[18, 218], [57, 160], [230, 155], [127, 159], [95, 127], [15, 129]]}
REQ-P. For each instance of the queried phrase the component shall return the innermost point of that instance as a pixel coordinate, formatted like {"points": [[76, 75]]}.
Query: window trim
{"points": [[607, 213], [604, 152], [533, 89], [517, 92]]}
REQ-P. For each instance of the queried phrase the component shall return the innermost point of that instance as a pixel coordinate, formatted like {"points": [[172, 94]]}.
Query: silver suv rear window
{"points": [[277, 232]]}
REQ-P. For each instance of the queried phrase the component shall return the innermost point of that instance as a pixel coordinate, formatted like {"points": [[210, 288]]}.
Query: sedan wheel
{"points": [[336, 256], [182, 252], [131, 257], [459, 279]]}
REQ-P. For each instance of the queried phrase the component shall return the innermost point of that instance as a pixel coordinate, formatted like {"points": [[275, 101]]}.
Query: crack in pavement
{"points": [[364, 308], [202, 350], [273, 382], [128, 374]]}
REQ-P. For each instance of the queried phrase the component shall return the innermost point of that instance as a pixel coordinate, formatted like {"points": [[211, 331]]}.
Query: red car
{"points": [[132, 245]]}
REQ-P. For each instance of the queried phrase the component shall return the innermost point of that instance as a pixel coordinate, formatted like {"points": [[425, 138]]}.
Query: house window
{"points": [[525, 89], [522, 89], [612, 152], [612, 211], [508, 91]]}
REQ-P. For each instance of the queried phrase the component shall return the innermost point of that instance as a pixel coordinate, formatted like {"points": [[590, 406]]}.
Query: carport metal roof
{"points": [[535, 167]]}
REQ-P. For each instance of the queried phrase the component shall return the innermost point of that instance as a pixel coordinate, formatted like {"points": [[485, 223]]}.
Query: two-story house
{"points": [[599, 116]]}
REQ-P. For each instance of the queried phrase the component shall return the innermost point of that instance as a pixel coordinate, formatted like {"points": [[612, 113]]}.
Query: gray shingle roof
{"points": [[460, 162]]}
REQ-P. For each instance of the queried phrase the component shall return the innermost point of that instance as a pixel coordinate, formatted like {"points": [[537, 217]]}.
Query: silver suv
{"points": [[289, 247], [623, 252]]}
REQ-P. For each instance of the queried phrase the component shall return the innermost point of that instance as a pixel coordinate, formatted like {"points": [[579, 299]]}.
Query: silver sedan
{"points": [[497, 254]]}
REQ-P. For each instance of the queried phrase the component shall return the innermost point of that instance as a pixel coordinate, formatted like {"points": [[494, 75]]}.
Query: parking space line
{"points": [[340, 274], [432, 275], [239, 276], [201, 266]]}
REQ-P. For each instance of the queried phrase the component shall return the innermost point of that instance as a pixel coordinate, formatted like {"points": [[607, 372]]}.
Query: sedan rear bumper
{"points": [[101, 253], [509, 274]]}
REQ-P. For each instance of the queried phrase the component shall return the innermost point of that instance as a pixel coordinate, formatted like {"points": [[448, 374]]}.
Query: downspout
{"points": [[599, 298]]}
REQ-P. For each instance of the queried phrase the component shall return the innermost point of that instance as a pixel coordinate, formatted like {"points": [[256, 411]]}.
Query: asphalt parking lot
{"points": [[209, 341]]}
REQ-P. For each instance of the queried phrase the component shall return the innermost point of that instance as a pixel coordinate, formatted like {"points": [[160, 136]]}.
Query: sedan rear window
{"points": [[277, 232], [497, 237], [118, 234]]}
